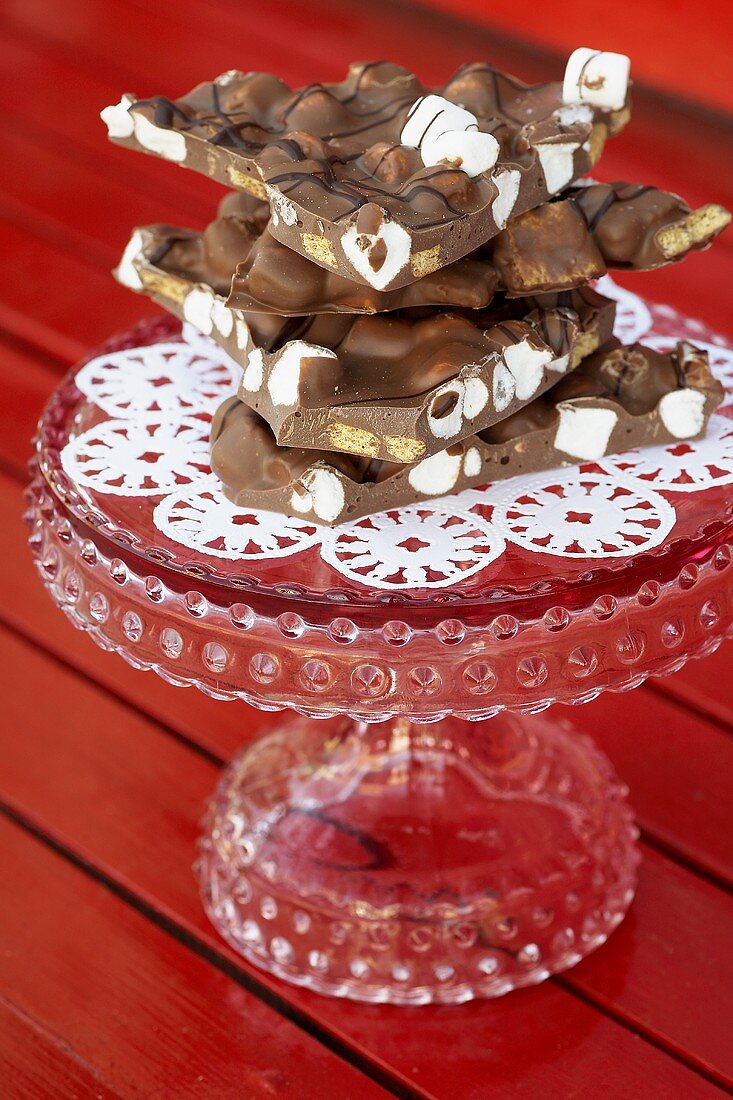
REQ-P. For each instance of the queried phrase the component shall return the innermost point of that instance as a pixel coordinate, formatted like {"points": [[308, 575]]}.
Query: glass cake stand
{"points": [[432, 838]]}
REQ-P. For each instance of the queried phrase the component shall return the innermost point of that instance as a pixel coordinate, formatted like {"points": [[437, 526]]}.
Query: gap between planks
{"points": [[242, 977]]}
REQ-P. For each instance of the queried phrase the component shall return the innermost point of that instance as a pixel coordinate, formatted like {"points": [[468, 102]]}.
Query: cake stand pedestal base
{"points": [[418, 863]]}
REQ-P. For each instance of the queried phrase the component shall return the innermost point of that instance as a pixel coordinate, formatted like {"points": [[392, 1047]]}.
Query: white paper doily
{"points": [[211, 524], [169, 380], [577, 515], [140, 457], [160, 400], [419, 547], [683, 467]]}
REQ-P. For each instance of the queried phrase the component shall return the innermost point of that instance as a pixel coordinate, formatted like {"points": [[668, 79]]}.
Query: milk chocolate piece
{"points": [[558, 246], [394, 386], [377, 177], [618, 398], [639, 227], [267, 277]]}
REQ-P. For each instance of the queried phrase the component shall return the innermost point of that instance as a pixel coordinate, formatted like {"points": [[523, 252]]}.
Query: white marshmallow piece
{"points": [[472, 151], [283, 385], [197, 308], [242, 334], [475, 398], [447, 133], [432, 115], [435, 475], [444, 427], [508, 186], [126, 272], [573, 113], [683, 413], [559, 366], [281, 207], [222, 316], [254, 372], [504, 387], [584, 433], [117, 118], [300, 501], [558, 167], [527, 366], [169, 144], [357, 248], [472, 462], [326, 493], [596, 77]]}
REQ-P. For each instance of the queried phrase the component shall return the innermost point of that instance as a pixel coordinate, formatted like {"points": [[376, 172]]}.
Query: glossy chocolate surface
{"points": [[342, 186]]}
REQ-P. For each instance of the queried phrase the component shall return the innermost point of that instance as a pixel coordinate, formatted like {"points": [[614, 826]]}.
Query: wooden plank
{"points": [[70, 308], [678, 768], [648, 970], [125, 797], [110, 207], [152, 1017], [81, 133], [36, 1065], [706, 686], [659, 39], [30, 381]]}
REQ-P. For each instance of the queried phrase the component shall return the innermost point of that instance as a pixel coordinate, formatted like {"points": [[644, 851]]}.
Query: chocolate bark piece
{"points": [[618, 398], [401, 386], [236, 253], [394, 386], [377, 177], [559, 245]]}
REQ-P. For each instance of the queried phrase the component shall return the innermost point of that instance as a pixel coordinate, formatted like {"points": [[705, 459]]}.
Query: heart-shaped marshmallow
{"points": [[376, 247]]}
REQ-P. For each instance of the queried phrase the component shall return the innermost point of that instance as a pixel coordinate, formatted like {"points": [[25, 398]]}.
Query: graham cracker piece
{"points": [[319, 249], [403, 448], [426, 262], [697, 227], [585, 343], [165, 286], [244, 182], [357, 441], [597, 140]]}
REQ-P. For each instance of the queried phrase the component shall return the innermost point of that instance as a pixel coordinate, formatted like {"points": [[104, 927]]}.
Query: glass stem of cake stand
{"points": [[417, 863]]}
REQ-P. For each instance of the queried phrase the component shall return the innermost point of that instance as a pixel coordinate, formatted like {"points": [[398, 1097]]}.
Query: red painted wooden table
{"points": [[111, 981]]}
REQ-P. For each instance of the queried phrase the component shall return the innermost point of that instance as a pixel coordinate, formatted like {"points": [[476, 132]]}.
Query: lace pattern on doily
{"points": [[160, 399]]}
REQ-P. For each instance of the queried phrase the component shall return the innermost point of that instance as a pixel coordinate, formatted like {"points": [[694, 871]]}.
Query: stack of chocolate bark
{"points": [[404, 276]]}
